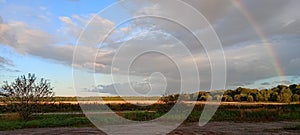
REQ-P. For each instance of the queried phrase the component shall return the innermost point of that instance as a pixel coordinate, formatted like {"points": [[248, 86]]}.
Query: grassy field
{"points": [[229, 112], [296, 127], [11, 121]]}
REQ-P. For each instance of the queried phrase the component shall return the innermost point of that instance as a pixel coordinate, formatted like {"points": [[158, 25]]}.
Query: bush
{"points": [[296, 98]]}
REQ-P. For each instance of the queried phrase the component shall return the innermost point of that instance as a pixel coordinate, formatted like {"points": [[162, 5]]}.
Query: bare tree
{"points": [[25, 95]]}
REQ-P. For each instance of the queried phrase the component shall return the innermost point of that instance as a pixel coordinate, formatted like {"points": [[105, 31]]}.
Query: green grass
{"points": [[291, 116], [141, 116], [223, 114], [43, 121], [295, 127]]}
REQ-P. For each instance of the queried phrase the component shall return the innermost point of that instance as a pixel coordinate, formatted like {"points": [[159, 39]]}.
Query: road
{"points": [[212, 128]]}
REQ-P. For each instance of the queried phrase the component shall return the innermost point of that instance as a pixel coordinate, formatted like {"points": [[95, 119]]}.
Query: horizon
{"points": [[149, 96]]}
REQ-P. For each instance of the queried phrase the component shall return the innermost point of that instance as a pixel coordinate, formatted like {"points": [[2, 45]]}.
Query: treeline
{"points": [[281, 93], [108, 98]]}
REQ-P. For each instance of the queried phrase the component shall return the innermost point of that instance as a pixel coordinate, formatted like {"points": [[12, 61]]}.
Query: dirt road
{"points": [[212, 128]]}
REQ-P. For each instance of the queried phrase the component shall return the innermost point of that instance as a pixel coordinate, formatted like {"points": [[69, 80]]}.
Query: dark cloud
{"points": [[7, 65], [286, 82], [4, 61], [237, 84], [10, 70], [265, 83], [123, 89]]}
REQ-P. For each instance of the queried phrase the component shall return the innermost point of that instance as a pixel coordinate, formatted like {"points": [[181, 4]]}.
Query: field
{"points": [[68, 114]]}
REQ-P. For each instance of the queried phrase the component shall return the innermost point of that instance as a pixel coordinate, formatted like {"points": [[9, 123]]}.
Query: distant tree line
{"points": [[280, 93]]}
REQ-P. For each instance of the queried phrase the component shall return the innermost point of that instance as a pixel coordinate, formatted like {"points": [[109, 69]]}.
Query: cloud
{"points": [[286, 82], [7, 65], [294, 63], [154, 85], [256, 19], [248, 58], [265, 83], [230, 18], [212, 10], [235, 84], [4, 61], [35, 16], [245, 64], [96, 30], [242, 27], [27, 40], [124, 89]]}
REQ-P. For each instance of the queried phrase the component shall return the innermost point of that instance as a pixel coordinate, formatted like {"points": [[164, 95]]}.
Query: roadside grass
{"points": [[141, 116], [294, 127], [222, 114], [43, 121]]}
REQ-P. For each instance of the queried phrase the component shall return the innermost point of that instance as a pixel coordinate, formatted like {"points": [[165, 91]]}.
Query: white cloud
{"points": [[27, 40], [96, 31], [23, 38]]}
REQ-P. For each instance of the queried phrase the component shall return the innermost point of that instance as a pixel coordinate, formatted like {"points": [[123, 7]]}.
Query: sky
{"points": [[107, 47]]}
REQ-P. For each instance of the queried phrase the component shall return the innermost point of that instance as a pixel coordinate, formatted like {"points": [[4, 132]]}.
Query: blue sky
{"points": [[32, 13], [39, 37]]}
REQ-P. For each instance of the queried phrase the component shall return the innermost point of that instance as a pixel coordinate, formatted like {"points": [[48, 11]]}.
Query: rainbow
{"points": [[276, 61]]}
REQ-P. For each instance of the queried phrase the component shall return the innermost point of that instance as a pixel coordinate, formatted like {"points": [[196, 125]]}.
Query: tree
{"points": [[227, 98], [26, 94], [237, 97], [286, 95], [250, 98], [229, 92], [169, 98], [263, 95], [274, 96], [295, 89], [296, 98]]}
